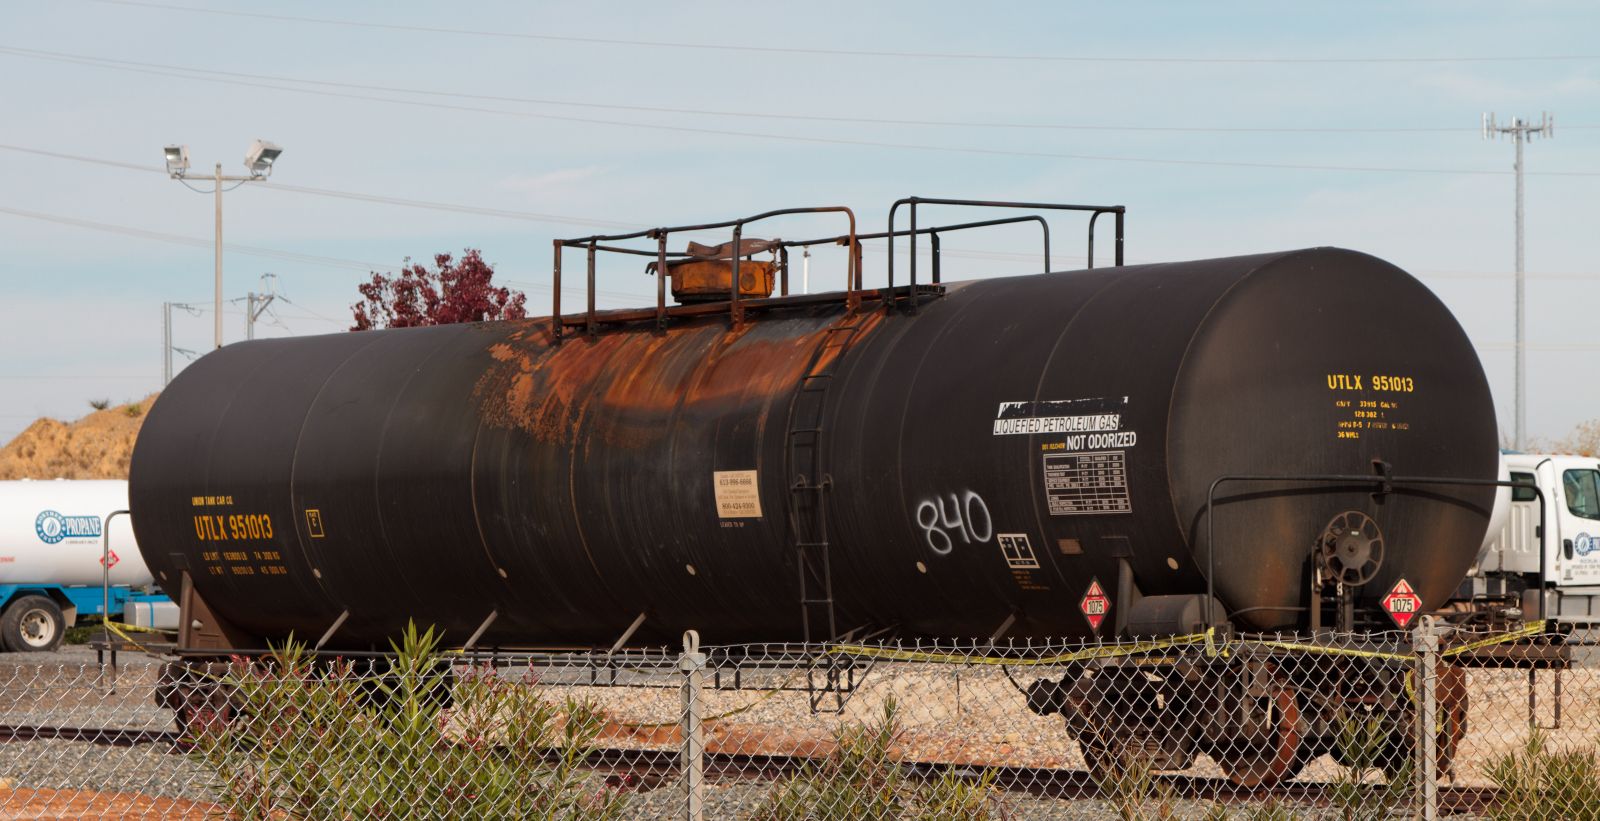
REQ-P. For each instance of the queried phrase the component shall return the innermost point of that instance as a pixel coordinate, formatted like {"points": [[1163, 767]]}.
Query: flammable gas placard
{"points": [[1402, 604], [1095, 605]]}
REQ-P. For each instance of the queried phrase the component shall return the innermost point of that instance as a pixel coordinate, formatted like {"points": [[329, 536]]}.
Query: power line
{"points": [[529, 216], [809, 140], [250, 250], [176, 239], [61, 377], [537, 217], [106, 62], [767, 49]]}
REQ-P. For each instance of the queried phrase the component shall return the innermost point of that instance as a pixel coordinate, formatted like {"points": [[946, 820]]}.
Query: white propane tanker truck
{"points": [[52, 534], [1515, 554]]}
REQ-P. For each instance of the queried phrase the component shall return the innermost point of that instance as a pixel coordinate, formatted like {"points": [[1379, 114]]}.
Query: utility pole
{"points": [[255, 304], [166, 334], [217, 315], [1520, 131], [166, 344]]}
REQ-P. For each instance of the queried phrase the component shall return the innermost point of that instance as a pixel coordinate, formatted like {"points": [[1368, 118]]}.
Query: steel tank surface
{"points": [[987, 458]]}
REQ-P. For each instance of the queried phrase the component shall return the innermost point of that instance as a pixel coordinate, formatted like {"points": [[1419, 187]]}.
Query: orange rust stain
{"points": [[638, 378]]}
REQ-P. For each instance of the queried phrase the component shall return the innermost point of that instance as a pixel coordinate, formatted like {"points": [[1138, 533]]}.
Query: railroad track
{"points": [[644, 770], [647, 769], [94, 735]]}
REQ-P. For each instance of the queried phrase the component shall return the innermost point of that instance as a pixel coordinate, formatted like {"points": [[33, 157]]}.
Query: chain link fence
{"points": [[1428, 724]]}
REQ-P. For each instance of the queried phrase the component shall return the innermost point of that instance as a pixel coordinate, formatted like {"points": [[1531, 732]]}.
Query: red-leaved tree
{"points": [[451, 292]]}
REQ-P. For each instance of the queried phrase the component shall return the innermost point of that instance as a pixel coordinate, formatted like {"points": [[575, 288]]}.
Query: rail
{"points": [[854, 292], [1094, 210], [592, 245]]}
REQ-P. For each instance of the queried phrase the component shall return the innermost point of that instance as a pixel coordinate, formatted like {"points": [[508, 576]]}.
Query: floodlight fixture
{"points": [[259, 160], [261, 156], [177, 159]]}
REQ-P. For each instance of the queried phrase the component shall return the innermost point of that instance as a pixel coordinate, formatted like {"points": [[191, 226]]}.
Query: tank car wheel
{"points": [[1451, 693], [1259, 764], [33, 624]]}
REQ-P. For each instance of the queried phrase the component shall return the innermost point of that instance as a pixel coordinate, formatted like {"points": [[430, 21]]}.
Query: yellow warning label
{"points": [[738, 494], [314, 523]]}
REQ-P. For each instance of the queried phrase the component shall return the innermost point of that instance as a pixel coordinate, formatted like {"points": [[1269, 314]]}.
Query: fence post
{"points": [[1425, 643], [692, 761]]}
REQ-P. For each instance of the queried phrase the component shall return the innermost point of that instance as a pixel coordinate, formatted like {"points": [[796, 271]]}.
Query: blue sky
{"points": [[1316, 93]]}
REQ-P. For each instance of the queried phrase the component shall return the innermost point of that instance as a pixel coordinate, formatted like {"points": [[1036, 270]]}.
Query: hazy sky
{"points": [[1225, 128]]}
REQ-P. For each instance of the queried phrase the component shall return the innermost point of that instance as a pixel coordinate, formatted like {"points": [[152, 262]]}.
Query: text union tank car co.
{"points": [[1029, 455]]}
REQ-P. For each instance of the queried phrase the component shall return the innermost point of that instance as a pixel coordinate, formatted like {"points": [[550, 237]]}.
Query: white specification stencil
{"points": [[1086, 484]]}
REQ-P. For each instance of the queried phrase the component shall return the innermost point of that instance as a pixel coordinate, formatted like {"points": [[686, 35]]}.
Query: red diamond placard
{"points": [[1402, 603], [1095, 605], [110, 559]]}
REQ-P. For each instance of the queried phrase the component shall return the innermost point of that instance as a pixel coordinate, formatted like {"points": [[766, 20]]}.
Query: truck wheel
{"points": [[32, 624]]}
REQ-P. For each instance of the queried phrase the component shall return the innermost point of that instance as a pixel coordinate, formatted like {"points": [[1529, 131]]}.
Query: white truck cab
{"points": [[1508, 565]]}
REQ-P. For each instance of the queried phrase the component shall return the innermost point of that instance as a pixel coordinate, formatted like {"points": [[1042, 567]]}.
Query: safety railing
{"points": [[853, 292]]}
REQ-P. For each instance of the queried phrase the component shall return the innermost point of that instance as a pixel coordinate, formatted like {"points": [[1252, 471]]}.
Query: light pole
{"points": [[259, 160]]}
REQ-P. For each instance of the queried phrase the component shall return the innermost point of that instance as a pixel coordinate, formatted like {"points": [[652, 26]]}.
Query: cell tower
{"points": [[1520, 131]]}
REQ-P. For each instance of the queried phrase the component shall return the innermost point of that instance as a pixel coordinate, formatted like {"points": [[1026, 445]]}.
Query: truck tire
{"points": [[32, 624]]}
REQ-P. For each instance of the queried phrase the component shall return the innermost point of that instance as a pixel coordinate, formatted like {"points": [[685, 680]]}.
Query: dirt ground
{"points": [[19, 804], [96, 446]]}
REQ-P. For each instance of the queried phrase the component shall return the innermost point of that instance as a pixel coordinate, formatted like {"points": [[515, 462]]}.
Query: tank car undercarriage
{"points": [[1261, 713]]}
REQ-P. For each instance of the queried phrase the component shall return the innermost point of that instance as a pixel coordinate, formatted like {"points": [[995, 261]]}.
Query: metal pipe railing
{"points": [[913, 202], [1385, 483]]}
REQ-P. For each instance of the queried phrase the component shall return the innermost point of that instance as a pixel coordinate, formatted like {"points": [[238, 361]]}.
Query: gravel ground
{"points": [[151, 769]]}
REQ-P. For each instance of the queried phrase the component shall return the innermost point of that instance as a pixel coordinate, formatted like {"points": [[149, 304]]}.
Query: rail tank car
{"points": [[1026, 455]]}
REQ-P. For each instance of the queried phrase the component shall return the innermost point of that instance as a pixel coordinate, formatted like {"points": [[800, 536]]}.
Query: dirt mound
{"points": [[98, 446]]}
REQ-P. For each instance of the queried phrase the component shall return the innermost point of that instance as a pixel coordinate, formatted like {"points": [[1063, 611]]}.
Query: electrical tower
{"points": [[1520, 131], [166, 339], [256, 303]]}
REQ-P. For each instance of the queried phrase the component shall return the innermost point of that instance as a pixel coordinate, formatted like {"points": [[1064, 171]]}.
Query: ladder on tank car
{"points": [[808, 514]]}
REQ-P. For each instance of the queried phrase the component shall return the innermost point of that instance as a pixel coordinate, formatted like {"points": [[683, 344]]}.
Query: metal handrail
{"points": [[1094, 210], [596, 243], [593, 245]]}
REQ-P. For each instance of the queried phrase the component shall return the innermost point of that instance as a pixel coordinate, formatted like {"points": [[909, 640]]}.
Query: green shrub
{"points": [[1536, 784], [1127, 782], [134, 410], [324, 740], [861, 779], [1362, 747]]}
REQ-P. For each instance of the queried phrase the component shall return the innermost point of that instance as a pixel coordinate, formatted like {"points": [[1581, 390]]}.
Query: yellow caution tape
{"points": [[1087, 654], [1213, 648], [116, 628], [1527, 631], [136, 628], [1320, 649]]}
